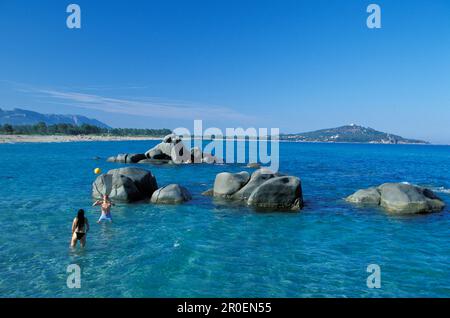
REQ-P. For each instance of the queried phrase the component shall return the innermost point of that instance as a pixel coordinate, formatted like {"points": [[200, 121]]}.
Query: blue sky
{"points": [[295, 65]]}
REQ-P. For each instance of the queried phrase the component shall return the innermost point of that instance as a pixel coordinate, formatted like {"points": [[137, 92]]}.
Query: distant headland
{"points": [[350, 134]]}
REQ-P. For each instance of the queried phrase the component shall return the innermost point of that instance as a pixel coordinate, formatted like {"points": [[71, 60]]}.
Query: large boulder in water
{"points": [[400, 198], [157, 154], [135, 157], [125, 185], [365, 196], [265, 189], [227, 183], [171, 139], [171, 148], [161, 149], [196, 155], [171, 194], [258, 177], [407, 198], [278, 193]]}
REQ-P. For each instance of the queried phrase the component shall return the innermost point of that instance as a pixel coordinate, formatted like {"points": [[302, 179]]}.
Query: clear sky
{"points": [[296, 65]]}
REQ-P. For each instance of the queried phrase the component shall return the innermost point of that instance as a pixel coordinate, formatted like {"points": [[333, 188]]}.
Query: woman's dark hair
{"points": [[80, 219]]}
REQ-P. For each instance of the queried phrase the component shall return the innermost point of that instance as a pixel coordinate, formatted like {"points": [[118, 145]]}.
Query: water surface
{"points": [[204, 249]]}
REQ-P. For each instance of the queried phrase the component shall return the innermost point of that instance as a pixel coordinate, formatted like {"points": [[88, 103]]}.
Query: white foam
{"points": [[441, 190]]}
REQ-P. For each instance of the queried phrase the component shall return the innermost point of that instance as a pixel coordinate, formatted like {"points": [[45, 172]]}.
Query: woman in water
{"points": [[80, 227]]}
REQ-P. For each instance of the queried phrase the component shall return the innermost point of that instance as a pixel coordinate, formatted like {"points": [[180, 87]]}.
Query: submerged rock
{"points": [[399, 198], [125, 185], [280, 193], [171, 194]]}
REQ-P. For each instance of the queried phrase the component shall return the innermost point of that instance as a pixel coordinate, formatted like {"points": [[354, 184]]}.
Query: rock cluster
{"points": [[134, 184], [170, 150], [264, 189]]}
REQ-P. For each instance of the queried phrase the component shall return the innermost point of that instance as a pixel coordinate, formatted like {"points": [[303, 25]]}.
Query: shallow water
{"points": [[204, 248]]}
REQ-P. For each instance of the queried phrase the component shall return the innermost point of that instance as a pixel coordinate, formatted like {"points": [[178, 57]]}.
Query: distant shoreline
{"points": [[12, 139]]}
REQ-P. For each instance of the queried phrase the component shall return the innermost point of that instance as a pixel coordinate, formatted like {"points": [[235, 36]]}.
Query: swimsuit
{"points": [[106, 217], [78, 231]]}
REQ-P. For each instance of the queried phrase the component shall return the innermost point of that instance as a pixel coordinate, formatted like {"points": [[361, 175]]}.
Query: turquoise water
{"points": [[205, 249]]}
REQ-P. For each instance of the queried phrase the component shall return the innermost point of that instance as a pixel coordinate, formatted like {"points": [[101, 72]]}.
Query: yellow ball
{"points": [[97, 171]]}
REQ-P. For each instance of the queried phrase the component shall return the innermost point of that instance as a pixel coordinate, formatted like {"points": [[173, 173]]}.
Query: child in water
{"points": [[106, 205]]}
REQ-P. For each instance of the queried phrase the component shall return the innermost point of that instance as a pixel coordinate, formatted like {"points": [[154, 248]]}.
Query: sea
{"points": [[205, 248]]}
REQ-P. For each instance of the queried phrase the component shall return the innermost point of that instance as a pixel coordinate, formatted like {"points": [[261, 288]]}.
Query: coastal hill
{"points": [[21, 117], [350, 133], [27, 122]]}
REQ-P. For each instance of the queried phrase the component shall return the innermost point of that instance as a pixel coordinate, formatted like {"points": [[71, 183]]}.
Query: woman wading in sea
{"points": [[80, 227]]}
